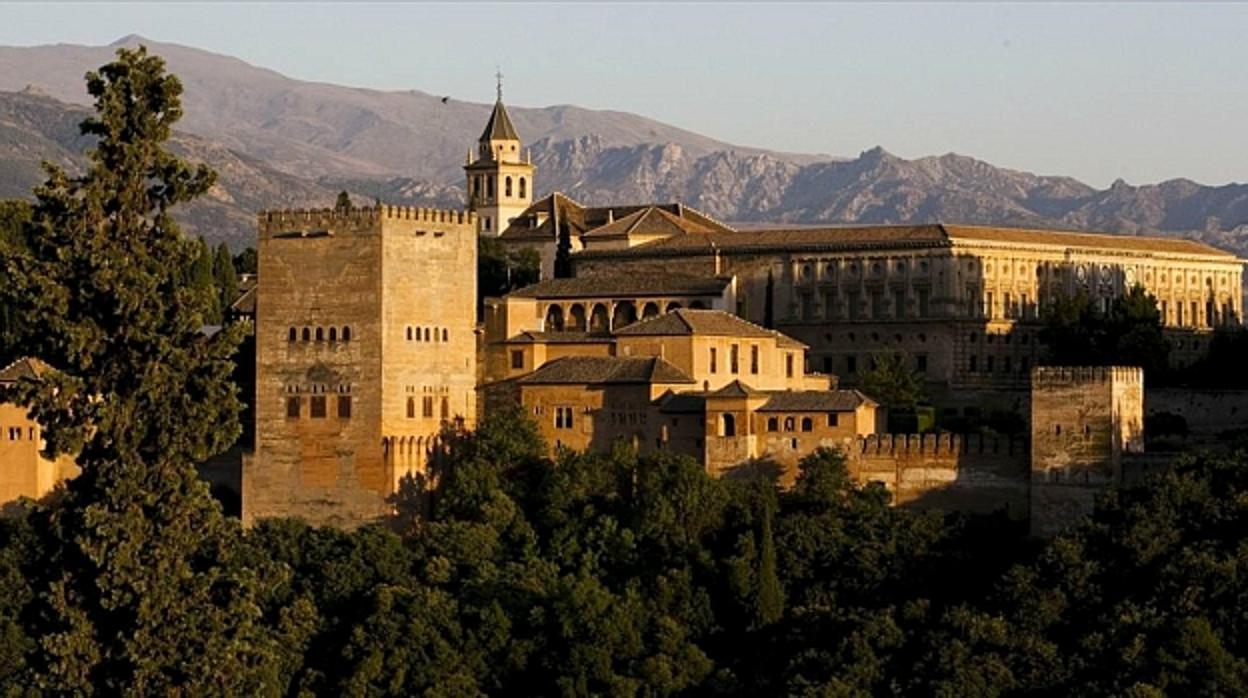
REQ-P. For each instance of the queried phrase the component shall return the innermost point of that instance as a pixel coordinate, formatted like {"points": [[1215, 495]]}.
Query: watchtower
{"points": [[1083, 419], [365, 348], [500, 178]]}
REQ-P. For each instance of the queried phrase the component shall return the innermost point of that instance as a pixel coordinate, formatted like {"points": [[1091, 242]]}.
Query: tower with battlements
{"points": [[500, 175], [365, 348], [1084, 419]]}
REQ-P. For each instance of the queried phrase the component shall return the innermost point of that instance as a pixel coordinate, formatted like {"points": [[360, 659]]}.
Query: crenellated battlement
{"points": [[274, 222], [893, 445], [1063, 376]]}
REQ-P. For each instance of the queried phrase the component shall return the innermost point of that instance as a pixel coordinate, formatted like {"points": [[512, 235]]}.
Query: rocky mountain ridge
{"points": [[282, 142]]}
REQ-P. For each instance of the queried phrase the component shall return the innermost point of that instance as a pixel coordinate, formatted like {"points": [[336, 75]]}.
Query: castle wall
{"points": [[1209, 413]]}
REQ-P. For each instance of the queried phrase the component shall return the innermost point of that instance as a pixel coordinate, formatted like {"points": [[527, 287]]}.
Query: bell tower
{"points": [[499, 180]]}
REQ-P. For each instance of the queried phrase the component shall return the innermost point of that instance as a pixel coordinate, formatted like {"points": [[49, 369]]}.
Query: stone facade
{"points": [[1084, 421], [365, 345], [24, 470], [963, 302], [499, 181]]}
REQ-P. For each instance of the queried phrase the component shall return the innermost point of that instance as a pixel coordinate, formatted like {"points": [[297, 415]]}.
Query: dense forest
{"points": [[508, 572]]}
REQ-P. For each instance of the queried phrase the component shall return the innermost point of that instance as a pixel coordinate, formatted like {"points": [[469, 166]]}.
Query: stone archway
{"points": [[650, 310], [672, 306], [625, 315], [554, 318], [599, 319], [576, 318]]}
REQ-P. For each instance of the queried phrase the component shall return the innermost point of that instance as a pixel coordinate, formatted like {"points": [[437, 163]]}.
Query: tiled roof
{"points": [[734, 389], [533, 337], [815, 401], [652, 284], [22, 368], [1074, 239], [829, 238], [649, 221], [246, 302], [682, 403], [605, 369], [499, 127], [580, 219], [716, 323]]}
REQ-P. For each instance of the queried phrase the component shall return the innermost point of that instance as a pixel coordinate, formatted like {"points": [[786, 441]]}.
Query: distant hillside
{"points": [[284, 142]]}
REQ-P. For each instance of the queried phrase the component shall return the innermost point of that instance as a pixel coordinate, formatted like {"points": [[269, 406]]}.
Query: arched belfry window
{"points": [[523, 188], [507, 187]]}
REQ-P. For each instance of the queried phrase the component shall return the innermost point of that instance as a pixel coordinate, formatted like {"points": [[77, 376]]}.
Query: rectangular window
{"points": [[855, 306], [318, 406], [827, 364], [1195, 315], [1005, 368], [714, 362], [292, 407], [988, 305], [829, 305], [1178, 307], [753, 358], [808, 307], [971, 366], [426, 406], [446, 407], [833, 419], [563, 417], [924, 300], [920, 363], [988, 364], [344, 407], [899, 304], [517, 358], [734, 358], [1009, 309], [788, 365], [877, 305], [851, 364]]}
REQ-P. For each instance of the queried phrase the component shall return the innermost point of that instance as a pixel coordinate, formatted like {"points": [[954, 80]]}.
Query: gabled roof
{"points": [[649, 221], [581, 219], [499, 127], [716, 323], [605, 369], [734, 389], [1025, 236], [815, 401], [637, 285], [566, 337], [22, 368]]}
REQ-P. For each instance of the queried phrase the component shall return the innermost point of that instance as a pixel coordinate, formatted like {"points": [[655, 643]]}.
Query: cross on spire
{"points": [[498, 74]]}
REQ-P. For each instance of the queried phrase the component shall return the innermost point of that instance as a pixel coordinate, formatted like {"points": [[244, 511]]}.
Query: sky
{"points": [[1142, 92]]}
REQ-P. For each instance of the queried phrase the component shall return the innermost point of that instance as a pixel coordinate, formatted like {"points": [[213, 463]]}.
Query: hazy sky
{"points": [[1144, 92]]}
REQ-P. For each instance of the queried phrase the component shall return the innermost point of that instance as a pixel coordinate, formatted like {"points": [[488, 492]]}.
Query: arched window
{"points": [[409, 334], [523, 189], [507, 187], [346, 333], [773, 424], [294, 334], [788, 424], [446, 335], [333, 334], [808, 424], [476, 185], [320, 334], [307, 335], [427, 334], [446, 407], [435, 334], [728, 425], [487, 224], [411, 408]]}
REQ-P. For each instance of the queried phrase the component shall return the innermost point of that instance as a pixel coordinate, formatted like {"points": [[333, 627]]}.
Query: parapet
{"points": [[1065, 376], [938, 445], [275, 222]]}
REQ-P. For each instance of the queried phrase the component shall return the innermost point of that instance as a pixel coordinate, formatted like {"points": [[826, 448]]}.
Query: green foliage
{"points": [[343, 202], [225, 277], [1077, 333], [135, 574], [892, 382], [245, 262], [499, 272], [14, 217]]}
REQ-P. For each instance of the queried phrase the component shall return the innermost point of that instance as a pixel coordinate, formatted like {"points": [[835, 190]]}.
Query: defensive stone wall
{"points": [[1209, 413], [947, 471], [331, 220]]}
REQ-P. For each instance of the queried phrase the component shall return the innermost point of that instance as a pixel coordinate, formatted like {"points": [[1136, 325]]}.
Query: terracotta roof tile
{"points": [[1079, 239], [717, 323], [652, 284], [605, 369], [815, 401], [499, 127], [22, 368], [649, 221]]}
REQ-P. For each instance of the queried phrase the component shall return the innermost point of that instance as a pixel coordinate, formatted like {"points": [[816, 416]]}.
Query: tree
{"points": [[892, 382], [139, 588], [225, 276], [343, 202], [245, 262], [1077, 333], [14, 216], [203, 281]]}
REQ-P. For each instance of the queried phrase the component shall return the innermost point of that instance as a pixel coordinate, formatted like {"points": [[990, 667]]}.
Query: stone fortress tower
{"points": [[499, 183], [1084, 420], [365, 347]]}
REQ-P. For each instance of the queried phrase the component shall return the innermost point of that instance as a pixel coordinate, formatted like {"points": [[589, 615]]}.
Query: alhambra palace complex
{"points": [[676, 332]]}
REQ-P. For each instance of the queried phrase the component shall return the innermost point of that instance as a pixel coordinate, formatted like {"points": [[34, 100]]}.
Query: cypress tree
{"points": [[140, 588], [204, 282], [226, 277]]}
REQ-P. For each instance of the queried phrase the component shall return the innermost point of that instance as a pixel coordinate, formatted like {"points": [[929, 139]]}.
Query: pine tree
{"points": [[139, 585], [203, 281]]}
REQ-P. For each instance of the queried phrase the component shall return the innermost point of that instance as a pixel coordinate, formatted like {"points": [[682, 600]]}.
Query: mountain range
{"points": [[281, 142]]}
